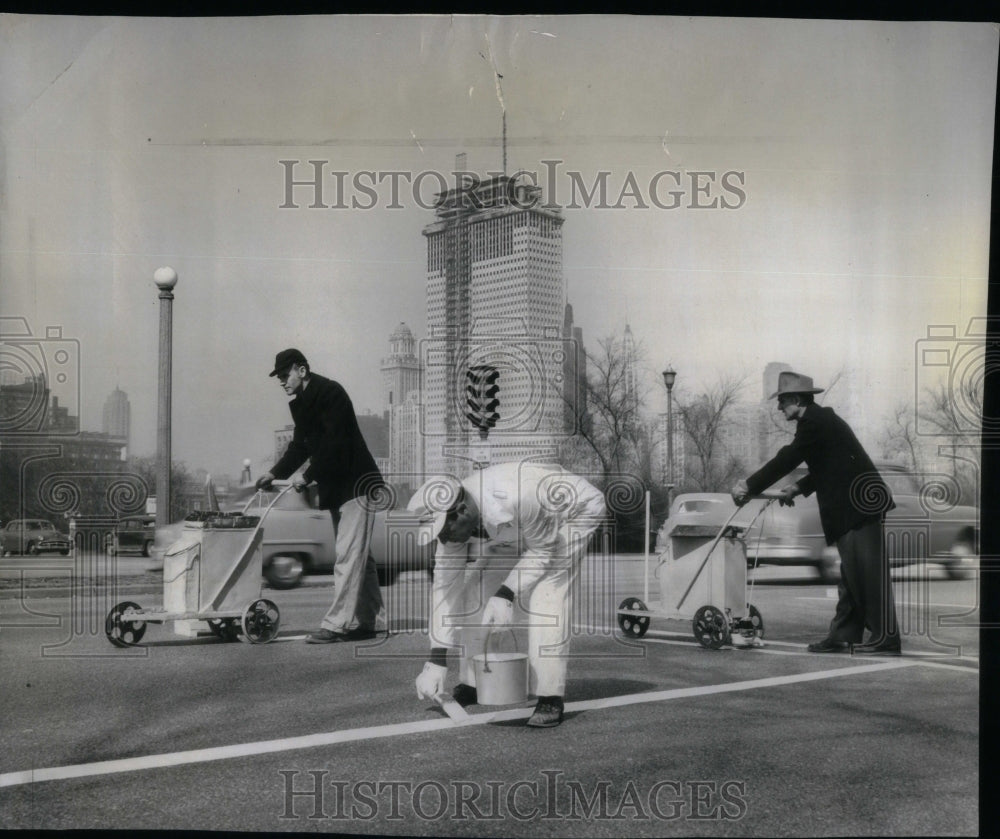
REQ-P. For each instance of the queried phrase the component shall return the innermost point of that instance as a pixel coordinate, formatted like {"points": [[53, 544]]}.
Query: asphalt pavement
{"points": [[662, 736]]}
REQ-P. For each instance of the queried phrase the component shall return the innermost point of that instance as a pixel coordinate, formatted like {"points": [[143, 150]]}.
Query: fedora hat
{"points": [[285, 359], [789, 382], [432, 502]]}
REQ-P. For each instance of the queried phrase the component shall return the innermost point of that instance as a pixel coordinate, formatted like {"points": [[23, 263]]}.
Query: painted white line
{"points": [[764, 650], [940, 666], [309, 741]]}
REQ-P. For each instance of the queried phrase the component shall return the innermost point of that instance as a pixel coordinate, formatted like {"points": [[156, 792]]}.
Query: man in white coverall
{"points": [[531, 520]]}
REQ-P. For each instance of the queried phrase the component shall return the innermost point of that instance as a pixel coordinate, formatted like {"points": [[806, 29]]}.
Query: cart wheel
{"points": [[711, 628], [757, 621], [124, 633], [633, 625], [228, 629], [260, 622]]}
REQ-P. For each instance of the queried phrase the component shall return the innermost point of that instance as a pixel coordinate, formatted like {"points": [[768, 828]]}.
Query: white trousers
{"points": [[467, 575]]}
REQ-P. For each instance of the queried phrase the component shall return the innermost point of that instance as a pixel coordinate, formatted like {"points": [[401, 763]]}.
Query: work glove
{"points": [[430, 682], [786, 494], [264, 481], [498, 612], [740, 493]]}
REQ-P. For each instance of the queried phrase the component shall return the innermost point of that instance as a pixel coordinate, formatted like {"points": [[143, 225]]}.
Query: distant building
{"points": [[117, 416], [401, 368], [494, 296], [401, 378], [406, 452], [375, 430], [24, 405], [576, 414], [282, 437]]}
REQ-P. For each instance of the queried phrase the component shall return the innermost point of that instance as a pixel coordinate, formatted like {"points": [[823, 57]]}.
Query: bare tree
{"points": [[899, 440], [704, 419], [956, 417], [610, 431]]}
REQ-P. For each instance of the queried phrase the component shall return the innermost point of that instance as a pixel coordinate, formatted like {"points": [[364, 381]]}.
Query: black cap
{"points": [[285, 359]]}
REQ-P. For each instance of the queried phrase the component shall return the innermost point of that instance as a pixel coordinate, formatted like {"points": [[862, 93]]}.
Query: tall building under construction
{"points": [[495, 296]]}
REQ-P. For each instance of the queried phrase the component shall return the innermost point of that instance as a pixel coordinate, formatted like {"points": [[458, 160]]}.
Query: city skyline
{"points": [[844, 211]]}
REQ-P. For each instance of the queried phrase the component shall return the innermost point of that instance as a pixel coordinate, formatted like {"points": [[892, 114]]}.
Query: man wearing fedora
{"points": [[327, 433], [853, 500], [509, 532]]}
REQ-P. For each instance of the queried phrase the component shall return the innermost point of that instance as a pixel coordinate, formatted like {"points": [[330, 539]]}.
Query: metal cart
{"points": [[703, 578], [211, 573]]}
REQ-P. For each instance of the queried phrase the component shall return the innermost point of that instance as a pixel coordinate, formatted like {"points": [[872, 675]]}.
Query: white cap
{"points": [[431, 502]]}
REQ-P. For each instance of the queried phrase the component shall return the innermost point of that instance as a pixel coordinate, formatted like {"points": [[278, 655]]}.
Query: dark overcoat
{"points": [[327, 432], [848, 487]]}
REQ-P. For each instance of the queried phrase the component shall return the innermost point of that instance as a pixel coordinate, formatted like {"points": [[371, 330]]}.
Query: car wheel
{"points": [[285, 570], [64, 551], [961, 563], [147, 547], [31, 549], [829, 567]]}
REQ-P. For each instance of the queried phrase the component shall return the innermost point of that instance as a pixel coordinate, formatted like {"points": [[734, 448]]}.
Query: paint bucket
{"points": [[501, 678]]}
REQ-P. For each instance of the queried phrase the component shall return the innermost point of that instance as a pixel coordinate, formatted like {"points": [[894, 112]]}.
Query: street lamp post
{"points": [[165, 279], [669, 376]]}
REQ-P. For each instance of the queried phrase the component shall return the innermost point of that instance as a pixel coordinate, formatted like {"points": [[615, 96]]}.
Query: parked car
{"points": [[133, 534], [299, 538], [33, 536], [922, 528]]}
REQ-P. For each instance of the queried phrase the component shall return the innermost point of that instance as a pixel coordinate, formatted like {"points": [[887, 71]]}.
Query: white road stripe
{"points": [[310, 741]]}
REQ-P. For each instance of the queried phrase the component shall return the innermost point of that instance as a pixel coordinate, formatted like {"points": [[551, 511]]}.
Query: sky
{"points": [[842, 208]]}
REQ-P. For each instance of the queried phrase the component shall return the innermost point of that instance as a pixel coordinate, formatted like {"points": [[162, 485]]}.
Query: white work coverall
{"points": [[539, 519]]}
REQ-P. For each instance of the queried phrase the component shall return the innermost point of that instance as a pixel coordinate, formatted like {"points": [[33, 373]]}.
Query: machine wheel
{"points": [[285, 571], [228, 629], [711, 629], [260, 622], [123, 633], [634, 626], [757, 620], [147, 547]]}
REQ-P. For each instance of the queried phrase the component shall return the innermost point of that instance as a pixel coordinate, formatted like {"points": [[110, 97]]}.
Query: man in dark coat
{"points": [[327, 433], [853, 500]]}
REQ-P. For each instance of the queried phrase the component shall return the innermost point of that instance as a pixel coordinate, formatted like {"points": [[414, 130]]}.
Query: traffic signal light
{"points": [[481, 391]]}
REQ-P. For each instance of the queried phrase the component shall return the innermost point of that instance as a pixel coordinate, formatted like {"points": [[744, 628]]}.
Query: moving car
{"points": [[33, 536], [134, 534], [299, 538], [925, 526]]}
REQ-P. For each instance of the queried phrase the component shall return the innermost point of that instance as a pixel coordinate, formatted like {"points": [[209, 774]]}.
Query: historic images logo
{"points": [[311, 184]]}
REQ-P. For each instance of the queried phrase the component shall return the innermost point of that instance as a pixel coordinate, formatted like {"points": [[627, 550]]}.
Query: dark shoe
{"points": [[465, 695], [891, 646], [548, 712], [829, 645], [326, 636]]}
